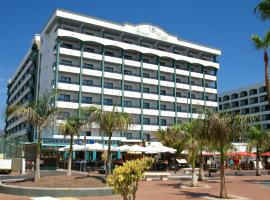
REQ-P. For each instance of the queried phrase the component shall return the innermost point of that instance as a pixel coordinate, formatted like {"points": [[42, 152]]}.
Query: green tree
{"points": [[172, 137], [221, 129], [259, 140], [263, 43], [263, 9], [125, 179], [71, 127], [39, 114], [109, 122]]}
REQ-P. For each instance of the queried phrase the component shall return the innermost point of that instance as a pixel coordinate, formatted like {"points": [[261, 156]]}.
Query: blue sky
{"points": [[224, 24]]}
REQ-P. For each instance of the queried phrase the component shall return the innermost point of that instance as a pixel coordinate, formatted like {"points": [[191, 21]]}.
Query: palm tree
{"points": [[39, 114], [263, 8], [221, 129], [71, 127], [109, 122], [172, 136], [258, 139], [264, 43]]}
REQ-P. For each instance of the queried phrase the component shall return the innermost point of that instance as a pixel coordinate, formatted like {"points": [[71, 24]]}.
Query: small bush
{"points": [[125, 179]]}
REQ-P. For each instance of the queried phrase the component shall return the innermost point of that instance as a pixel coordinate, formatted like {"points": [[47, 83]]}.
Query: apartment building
{"points": [[250, 100], [154, 76]]}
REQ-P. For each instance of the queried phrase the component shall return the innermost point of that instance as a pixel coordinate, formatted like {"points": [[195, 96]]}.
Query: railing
{"points": [[153, 47]]}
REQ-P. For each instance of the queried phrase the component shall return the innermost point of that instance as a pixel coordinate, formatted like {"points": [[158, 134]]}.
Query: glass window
{"points": [[145, 75], [128, 57], [146, 90], [162, 78], [146, 105], [87, 49], [128, 87], [87, 82], [66, 62], [86, 99], [146, 121], [65, 79], [178, 80], [66, 45], [108, 102], [64, 97], [163, 122], [88, 66], [127, 72], [163, 107], [178, 94], [88, 133], [108, 69], [179, 109], [108, 85], [193, 96], [127, 103], [162, 92], [108, 53]]}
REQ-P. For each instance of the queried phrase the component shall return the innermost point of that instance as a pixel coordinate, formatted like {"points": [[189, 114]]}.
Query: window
{"points": [[108, 102], [162, 63], [146, 105], [178, 94], [67, 28], [127, 72], [87, 49], [108, 85], [66, 62], [179, 109], [178, 80], [126, 41], [128, 135], [194, 110], [145, 75], [146, 90], [88, 33], [144, 45], [193, 96], [108, 53], [162, 92], [145, 60], [88, 133], [162, 78], [128, 57], [163, 107], [128, 87], [65, 45], [86, 99], [88, 82], [88, 66], [108, 69], [163, 122], [64, 97], [127, 103], [146, 121], [65, 79]]}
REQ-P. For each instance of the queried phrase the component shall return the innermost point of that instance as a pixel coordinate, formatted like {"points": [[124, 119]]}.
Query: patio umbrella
{"points": [[136, 149], [265, 154], [123, 148], [75, 147]]}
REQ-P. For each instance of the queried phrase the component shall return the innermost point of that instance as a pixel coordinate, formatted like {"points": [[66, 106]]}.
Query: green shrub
{"points": [[125, 179]]}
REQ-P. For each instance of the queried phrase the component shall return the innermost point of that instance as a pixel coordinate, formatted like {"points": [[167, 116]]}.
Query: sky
{"points": [[223, 24]]}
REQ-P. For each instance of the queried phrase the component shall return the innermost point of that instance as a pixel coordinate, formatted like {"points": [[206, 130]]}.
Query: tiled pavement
{"points": [[251, 187]]}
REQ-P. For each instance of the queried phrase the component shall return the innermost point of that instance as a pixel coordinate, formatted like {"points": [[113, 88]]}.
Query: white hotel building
{"points": [[250, 100], [154, 76]]}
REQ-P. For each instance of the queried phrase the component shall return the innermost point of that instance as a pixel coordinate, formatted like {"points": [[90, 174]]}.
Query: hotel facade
{"points": [[154, 76], [250, 100]]}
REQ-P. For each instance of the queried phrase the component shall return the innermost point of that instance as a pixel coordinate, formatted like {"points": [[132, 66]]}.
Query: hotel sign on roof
{"points": [[152, 31]]}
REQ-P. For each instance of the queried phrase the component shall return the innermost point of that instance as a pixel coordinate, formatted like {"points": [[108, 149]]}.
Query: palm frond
{"points": [[263, 9]]}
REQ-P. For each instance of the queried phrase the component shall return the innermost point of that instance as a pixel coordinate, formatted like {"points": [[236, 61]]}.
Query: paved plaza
{"points": [[246, 185]]}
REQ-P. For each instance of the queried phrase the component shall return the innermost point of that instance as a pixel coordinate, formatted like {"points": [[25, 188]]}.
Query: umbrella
{"points": [[124, 148], [75, 147], [136, 148], [265, 154]]}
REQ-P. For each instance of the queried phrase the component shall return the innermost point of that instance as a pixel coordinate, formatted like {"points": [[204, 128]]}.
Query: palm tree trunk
{"points": [[258, 172], [70, 156], [223, 190], [37, 176], [108, 164], [194, 179], [266, 73], [201, 172]]}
